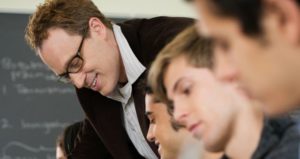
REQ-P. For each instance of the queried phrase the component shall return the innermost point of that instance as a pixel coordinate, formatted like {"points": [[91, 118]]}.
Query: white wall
{"points": [[116, 8]]}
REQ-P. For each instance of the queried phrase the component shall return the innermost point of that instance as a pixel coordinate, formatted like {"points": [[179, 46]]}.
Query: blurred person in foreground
{"points": [[261, 39], [217, 110]]}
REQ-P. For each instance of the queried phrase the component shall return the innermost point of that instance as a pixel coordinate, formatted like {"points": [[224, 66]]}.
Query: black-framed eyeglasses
{"points": [[74, 65]]}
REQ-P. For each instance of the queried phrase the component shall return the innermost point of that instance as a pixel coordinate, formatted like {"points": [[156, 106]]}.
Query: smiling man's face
{"points": [[101, 60]]}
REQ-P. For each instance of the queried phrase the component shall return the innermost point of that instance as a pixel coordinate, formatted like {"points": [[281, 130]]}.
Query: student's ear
{"points": [[286, 14], [96, 27]]}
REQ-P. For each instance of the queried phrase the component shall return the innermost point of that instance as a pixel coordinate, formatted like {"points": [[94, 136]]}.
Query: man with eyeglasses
{"points": [[106, 62]]}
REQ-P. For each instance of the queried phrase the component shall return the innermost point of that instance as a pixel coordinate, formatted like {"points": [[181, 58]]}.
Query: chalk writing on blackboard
{"points": [[49, 90], [33, 151], [8, 64], [20, 70], [47, 127], [4, 124]]}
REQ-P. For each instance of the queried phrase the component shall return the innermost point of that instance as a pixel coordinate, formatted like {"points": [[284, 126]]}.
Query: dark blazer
{"points": [[104, 117]]}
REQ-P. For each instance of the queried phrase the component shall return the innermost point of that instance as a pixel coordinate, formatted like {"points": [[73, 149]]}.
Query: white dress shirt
{"points": [[133, 69]]}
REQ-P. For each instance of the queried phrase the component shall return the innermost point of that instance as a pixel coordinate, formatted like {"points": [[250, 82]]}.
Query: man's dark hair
{"points": [[170, 108], [70, 138], [148, 90], [247, 12]]}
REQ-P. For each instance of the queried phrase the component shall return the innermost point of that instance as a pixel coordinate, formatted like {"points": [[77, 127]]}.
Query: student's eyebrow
{"points": [[177, 83], [155, 100]]}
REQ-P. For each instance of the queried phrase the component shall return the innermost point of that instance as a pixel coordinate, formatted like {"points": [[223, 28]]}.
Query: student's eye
{"points": [[152, 121], [186, 91], [223, 45], [186, 88]]}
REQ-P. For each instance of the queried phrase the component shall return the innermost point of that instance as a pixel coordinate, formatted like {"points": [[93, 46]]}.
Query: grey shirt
{"points": [[280, 139]]}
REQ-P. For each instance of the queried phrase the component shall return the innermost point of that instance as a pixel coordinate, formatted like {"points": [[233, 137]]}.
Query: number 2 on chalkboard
{"points": [[4, 123]]}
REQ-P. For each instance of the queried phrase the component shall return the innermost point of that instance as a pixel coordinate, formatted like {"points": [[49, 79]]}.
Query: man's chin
{"points": [[275, 106], [106, 92], [277, 111], [103, 92], [245, 92]]}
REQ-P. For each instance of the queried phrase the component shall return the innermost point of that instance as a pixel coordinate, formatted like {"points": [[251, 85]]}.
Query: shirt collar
{"points": [[133, 67]]}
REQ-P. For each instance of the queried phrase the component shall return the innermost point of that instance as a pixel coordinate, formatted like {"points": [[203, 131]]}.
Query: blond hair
{"points": [[197, 51]]}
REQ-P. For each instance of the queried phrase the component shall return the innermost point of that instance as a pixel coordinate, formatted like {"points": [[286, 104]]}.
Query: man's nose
{"points": [[224, 69], [78, 79]]}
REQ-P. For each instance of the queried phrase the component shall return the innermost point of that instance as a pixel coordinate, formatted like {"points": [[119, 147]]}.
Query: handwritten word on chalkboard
{"points": [[34, 107]]}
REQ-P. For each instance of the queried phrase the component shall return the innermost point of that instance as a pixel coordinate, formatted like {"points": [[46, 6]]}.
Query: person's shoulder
{"points": [[286, 127], [87, 92], [161, 20], [89, 97], [169, 19]]}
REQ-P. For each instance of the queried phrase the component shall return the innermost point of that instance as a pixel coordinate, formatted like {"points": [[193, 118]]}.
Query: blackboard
{"points": [[34, 106]]}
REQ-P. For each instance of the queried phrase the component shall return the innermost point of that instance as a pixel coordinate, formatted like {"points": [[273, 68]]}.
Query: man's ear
{"points": [[287, 16], [96, 27]]}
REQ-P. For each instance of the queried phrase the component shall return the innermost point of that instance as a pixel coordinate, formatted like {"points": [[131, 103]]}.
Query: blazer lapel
{"points": [[105, 116]]}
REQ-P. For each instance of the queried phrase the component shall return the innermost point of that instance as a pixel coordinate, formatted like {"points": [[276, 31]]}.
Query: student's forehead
{"points": [[156, 108], [177, 69], [149, 103]]}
